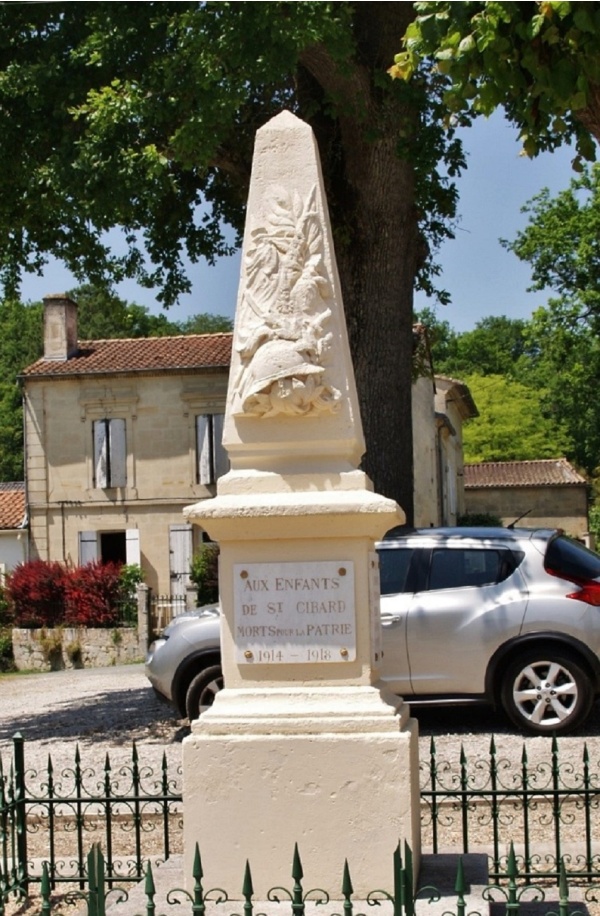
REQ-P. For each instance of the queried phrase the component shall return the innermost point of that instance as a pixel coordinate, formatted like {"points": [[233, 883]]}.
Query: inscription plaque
{"points": [[294, 612]]}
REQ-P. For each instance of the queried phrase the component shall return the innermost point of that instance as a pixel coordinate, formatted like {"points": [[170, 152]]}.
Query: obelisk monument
{"points": [[302, 746]]}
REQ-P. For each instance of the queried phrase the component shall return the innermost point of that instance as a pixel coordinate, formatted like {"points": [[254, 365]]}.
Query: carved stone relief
{"points": [[283, 341]]}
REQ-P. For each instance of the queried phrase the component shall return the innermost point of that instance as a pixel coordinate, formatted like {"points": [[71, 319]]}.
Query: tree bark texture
{"points": [[371, 198]]}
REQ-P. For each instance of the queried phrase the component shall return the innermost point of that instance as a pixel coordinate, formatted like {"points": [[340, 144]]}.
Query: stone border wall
{"points": [[75, 647]]}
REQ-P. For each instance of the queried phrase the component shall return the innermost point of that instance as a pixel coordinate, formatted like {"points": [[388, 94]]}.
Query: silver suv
{"points": [[498, 615]]}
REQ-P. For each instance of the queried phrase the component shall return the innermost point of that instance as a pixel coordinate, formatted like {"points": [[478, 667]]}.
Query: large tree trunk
{"points": [[371, 198]]}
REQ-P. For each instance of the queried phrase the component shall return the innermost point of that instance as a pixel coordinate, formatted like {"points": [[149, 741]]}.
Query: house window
{"points": [[212, 461], [110, 454]]}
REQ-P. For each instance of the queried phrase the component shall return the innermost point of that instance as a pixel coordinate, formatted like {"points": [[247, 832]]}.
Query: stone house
{"points": [[120, 435], [13, 526], [440, 407], [550, 491]]}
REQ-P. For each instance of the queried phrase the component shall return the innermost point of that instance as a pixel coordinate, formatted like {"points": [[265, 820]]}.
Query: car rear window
{"points": [[394, 564], [571, 559]]}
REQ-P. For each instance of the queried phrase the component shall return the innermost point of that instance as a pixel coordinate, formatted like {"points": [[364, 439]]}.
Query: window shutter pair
{"points": [[213, 461], [110, 454]]}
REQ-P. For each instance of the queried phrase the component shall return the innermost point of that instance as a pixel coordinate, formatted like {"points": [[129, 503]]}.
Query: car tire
{"points": [[203, 690], [546, 691]]}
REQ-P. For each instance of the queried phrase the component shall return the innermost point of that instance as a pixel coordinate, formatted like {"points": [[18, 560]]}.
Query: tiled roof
{"points": [[550, 472], [12, 505], [143, 354]]}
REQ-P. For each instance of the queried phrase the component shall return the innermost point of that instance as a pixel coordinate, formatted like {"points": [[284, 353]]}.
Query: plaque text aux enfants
{"points": [[294, 612]]}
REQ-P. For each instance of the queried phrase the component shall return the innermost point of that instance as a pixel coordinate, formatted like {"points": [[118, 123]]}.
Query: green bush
{"points": [[479, 520], [204, 573], [129, 578], [594, 523], [7, 662], [6, 612]]}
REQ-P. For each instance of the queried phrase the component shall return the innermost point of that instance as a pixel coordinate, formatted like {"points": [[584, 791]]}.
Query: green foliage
{"points": [[143, 116], [130, 576], [51, 644], [206, 324], [511, 425], [539, 61], [479, 520], [137, 115], [204, 573], [496, 346], [7, 661], [6, 612], [594, 522], [561, 243]]}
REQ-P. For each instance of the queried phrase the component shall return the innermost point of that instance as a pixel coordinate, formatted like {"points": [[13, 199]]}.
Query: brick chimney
{"points": [[60, 327]]}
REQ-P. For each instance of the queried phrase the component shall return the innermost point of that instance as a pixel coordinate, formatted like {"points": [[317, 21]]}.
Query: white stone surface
{"points": [[328, 769], [310, 753]]}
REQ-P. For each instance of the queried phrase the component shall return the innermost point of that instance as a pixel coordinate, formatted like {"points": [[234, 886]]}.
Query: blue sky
{"points": [[481, 276]]}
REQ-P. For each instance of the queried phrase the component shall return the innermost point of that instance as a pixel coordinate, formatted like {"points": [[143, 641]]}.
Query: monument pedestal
{"points": [[331, 769], [302, 746]]}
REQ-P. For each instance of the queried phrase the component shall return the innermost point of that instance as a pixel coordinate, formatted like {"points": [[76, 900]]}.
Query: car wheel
{"points": [[546, 691], [203, 690]]}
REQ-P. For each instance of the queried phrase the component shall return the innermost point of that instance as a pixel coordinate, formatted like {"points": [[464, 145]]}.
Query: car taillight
{"points": [[589, 592], [589, 589]]}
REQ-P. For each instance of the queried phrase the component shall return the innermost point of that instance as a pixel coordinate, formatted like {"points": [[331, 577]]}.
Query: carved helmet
{"points": [[276, 360]]}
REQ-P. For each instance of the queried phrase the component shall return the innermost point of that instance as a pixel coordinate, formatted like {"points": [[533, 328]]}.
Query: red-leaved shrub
{"points": [[92, 595], [36, 592], [44, 594]]}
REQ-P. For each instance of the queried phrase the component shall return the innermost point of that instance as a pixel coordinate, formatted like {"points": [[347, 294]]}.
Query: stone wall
{"points": [[546, 507], [75, 647]]}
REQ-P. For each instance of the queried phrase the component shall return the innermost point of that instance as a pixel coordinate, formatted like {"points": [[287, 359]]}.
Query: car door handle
{"points": [[391, 620]]}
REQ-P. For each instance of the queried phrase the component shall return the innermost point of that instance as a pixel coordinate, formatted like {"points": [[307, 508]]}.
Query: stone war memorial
{"points": [[303, 745]]}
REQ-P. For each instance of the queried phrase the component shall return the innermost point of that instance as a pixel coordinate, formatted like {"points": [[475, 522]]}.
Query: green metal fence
{"points": [[401, 898], [548, 813], [54, 818]]}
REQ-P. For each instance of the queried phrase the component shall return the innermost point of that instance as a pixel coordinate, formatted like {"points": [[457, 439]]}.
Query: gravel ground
{"points": [[98, 709], [104, 709]]}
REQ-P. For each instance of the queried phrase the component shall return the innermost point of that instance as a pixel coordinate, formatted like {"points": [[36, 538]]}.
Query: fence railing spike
{"points": [[297, 871], [197, 872], [460, 888], [45, 891]]}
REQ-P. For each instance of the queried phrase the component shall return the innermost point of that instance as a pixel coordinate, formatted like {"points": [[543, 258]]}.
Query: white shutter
{"points": [[132, 547], [180, 554], [204, 450], [88, 547], [100, 454], [221, 458], [118, 454]]}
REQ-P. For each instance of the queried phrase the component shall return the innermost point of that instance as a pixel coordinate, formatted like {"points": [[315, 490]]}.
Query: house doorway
{"points": [[110, 546], [113, 547]]}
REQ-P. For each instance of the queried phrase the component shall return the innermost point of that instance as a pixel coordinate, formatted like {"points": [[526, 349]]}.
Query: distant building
{"points": [[549, 493], [121, 435], [440, 407], [13, 526]]}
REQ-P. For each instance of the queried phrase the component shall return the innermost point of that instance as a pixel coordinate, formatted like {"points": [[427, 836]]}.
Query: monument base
{"points": [[333, 769]]}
